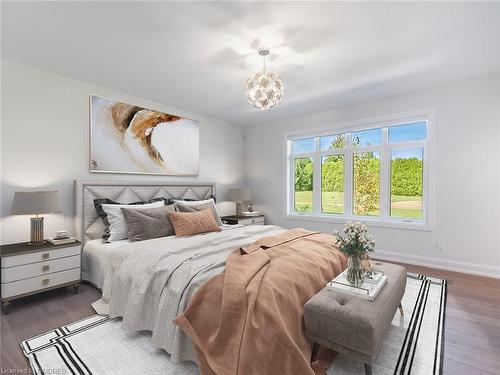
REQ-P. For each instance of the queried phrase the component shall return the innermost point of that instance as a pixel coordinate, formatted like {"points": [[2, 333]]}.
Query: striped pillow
{"points": [[189, 223]]}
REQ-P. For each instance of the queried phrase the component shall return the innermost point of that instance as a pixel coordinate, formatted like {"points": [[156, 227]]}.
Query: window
{"points": [[303, 145], [366, 183], [332, 184], [407, 172], [331, 142], [376, 173], [366, 138], [303, 175], [408, 132]]}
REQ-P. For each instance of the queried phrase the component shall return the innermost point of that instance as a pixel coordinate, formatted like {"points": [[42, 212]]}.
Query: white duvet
{"points": [[149, 283]]}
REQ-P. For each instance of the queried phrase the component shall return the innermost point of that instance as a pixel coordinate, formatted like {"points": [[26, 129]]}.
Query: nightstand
{"points": [[243, 220], [31, 269]]}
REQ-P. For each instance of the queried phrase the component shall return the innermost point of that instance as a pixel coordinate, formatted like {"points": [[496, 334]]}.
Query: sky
{"points": [[398, 133], [408, 132]]}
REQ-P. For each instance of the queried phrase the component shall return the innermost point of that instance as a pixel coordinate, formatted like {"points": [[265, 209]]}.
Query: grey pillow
{"points": [[118, 230], [145, 224], [202, 205]]}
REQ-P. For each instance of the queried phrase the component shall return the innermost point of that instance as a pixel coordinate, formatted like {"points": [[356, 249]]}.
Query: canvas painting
{"points": [[127, 138]]}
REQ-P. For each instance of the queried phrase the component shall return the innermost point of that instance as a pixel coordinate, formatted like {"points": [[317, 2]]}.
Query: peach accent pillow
{"points": [[189, 223]]}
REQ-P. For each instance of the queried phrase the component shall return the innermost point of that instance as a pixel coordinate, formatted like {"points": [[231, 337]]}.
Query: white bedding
{"points": [[148, 283], [96, 256]]}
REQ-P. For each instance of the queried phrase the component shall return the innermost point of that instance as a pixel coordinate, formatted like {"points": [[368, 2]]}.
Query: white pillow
{"points": [[117, 224], [184, 206]]}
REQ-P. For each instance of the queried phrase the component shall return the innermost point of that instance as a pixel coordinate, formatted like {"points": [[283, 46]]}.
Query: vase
{"points": [[355, 272]]}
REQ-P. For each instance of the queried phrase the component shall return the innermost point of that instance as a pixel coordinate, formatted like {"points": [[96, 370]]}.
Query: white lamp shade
{"points": [[35, 202], [239, 195]]}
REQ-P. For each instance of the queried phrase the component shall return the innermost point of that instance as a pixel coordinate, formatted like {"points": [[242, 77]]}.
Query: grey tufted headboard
{"points": [[88, 224]]}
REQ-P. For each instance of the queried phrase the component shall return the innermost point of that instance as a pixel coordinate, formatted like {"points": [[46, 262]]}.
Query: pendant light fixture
{"points": [[264, 89]]}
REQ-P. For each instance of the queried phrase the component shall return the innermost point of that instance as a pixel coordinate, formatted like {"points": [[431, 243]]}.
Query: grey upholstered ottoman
{"points": [[351, 325]]}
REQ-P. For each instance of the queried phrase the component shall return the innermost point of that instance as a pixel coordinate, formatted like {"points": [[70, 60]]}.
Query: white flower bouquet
{"points": [[355, 243]]}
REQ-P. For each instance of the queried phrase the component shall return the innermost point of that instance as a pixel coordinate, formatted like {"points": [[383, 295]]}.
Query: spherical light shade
{"points": [[264, 89]]}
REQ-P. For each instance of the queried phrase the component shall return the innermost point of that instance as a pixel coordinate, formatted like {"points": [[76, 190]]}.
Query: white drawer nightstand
{"points": [[30, 269], [243, 220]]}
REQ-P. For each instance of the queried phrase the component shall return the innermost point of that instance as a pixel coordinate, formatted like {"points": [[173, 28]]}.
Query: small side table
{"points": [[31, 269], [243, 220]]}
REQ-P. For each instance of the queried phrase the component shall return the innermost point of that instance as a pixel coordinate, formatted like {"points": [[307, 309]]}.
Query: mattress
{"points": [[97, 255], [96, 259]]}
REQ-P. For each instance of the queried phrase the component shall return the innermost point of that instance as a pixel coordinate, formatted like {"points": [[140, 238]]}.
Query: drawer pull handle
{"points": [[45, 268], [45, 256], [45, 281]]}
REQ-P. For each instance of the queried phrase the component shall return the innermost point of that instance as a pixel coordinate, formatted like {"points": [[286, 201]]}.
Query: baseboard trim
{"points": [[456, 266]]}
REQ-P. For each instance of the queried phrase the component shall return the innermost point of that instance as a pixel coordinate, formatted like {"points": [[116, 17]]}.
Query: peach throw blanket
{"points": [[249, 319]]}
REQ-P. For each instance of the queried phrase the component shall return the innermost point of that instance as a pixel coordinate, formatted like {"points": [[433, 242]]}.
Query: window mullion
{"points": [[291, 184], [348, 190], [385, 176], [317, 179], [425, 181]]}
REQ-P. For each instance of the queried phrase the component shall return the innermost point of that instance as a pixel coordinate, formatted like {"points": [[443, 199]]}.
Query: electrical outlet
{"points": [[440, 247]]}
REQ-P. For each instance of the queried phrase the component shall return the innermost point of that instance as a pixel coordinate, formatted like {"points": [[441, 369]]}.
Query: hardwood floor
{"points": [[37, 314], [472, 326]]}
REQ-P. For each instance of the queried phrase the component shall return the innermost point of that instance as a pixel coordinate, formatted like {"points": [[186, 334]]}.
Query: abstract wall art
{"points": [[127, 138]]}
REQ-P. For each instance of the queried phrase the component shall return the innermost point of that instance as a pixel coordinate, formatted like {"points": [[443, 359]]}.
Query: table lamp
{"points": [[238, 195], [35, 203]]}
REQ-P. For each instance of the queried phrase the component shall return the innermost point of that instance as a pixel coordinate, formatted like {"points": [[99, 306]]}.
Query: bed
{"points": [[96, 258], [96, 255], [149, 284], [115, 267]]}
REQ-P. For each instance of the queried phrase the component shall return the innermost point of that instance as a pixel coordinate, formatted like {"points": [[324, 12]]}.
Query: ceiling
{"points": [[197, 55]]}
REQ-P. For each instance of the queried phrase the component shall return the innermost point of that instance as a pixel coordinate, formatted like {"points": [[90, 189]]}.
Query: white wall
{"points": [[467, 166], [45, 144]]}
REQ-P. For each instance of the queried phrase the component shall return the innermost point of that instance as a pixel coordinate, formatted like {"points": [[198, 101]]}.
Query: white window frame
{"points": [[384, 220]]}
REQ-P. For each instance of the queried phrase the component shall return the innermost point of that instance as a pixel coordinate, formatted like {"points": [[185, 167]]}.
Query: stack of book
{"points": [[62, 240], [372, 284], [250, 213]]}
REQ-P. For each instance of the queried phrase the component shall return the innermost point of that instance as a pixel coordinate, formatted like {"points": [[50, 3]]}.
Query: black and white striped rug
{"points": [[97, 345], [414, 343]]}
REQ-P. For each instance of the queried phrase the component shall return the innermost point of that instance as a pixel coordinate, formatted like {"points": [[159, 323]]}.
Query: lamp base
{"points": [[238, 209], [36, 237]]}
